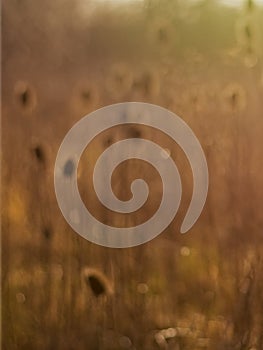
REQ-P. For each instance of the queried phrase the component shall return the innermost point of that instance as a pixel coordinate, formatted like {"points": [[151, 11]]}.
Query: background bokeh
{"points": [[202, 60]]}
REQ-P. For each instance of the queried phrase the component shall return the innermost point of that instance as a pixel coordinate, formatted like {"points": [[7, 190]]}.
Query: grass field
{"points": [[202, 290]]}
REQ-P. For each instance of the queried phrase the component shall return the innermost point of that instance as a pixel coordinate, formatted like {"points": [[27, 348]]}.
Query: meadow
{"points": [[200, 290]]}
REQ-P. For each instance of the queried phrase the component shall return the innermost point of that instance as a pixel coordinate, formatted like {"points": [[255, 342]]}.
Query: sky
{"points": [[233, 3], [238, 2]]}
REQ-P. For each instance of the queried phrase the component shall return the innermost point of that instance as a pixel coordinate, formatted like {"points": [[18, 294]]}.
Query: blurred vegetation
{"points": [[200, 59]]}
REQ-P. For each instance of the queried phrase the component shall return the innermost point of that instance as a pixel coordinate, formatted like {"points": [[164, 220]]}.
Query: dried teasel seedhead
{"points": [[98, 283]]}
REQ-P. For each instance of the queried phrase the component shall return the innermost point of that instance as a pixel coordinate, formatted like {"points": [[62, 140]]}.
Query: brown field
{"points": [[201, 290]]}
